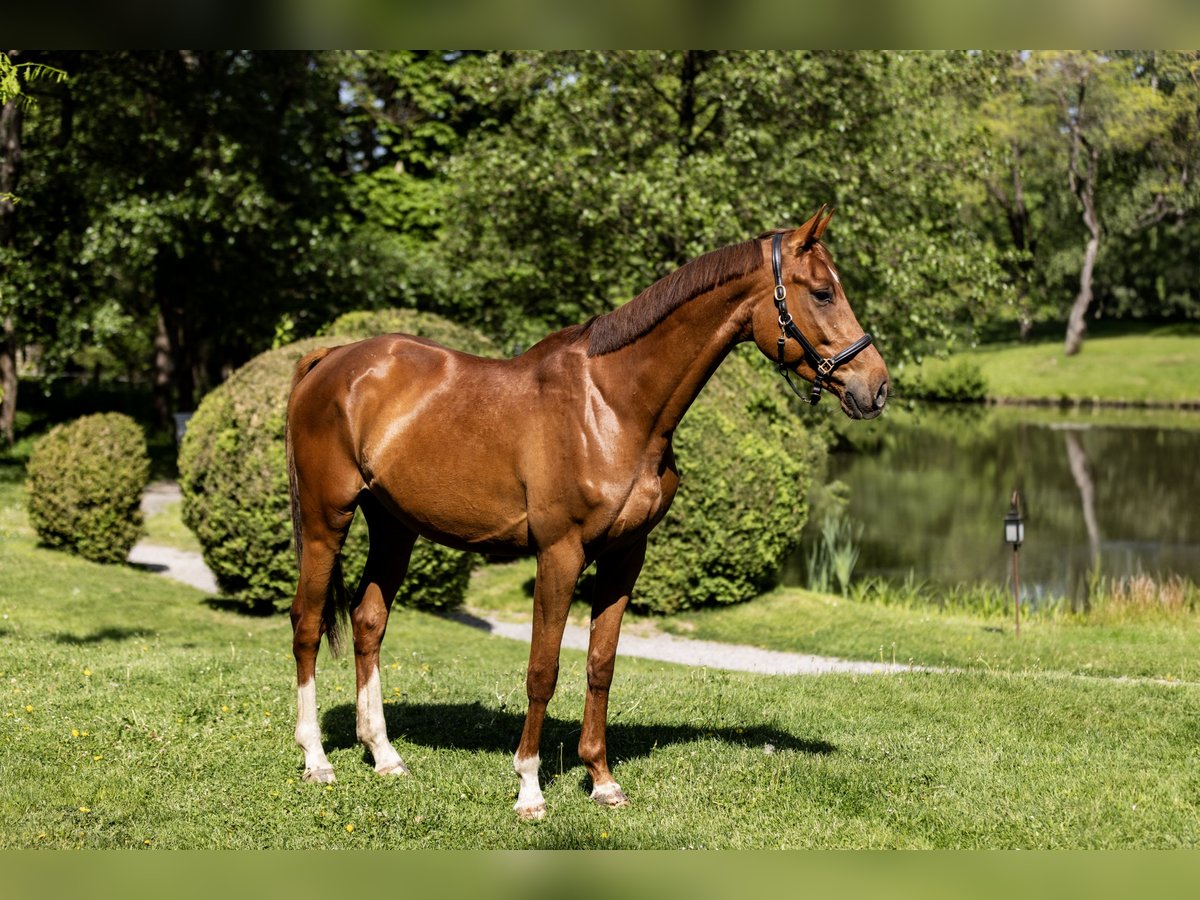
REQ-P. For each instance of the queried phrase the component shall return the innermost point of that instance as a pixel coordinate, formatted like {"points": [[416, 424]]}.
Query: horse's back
{"points": [[442, 438]]}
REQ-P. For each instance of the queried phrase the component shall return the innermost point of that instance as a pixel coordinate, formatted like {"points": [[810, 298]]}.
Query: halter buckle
{"points": [[826, 367], [780, 293], [785, 319]]}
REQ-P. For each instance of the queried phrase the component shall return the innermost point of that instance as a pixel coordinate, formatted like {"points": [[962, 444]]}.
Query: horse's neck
{"points": [[660, 374]]}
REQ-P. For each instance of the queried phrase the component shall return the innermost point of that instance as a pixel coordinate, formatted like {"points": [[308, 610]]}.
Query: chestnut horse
{"points": [[563, 452]]}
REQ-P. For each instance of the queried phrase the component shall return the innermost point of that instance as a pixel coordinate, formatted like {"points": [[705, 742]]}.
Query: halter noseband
{"points": [[787, 326]]}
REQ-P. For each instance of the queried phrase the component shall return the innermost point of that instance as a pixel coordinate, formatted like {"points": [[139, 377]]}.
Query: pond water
{"points": [[1112, 492]]}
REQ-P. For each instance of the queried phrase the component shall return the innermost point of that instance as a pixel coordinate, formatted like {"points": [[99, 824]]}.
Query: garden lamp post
{"points": [[1014, 533]]}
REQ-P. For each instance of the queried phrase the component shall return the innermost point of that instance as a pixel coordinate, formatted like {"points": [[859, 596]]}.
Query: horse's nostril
{"points": [[881, 395]]}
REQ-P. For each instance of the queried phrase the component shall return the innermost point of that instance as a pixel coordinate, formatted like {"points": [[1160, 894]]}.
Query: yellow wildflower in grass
{"points": [[28, 707], [87, 673], [74, 732], [85, 809], [98, 757], [350, 827]]}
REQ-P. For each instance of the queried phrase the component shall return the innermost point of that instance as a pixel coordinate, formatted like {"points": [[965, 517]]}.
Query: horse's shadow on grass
{"points": [[102, 635], [155, 568], [259, 610], [473, 726]]}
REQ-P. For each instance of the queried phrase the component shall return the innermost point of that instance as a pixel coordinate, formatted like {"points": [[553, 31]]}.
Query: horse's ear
{"points": [[811, 231], [822, 225]]}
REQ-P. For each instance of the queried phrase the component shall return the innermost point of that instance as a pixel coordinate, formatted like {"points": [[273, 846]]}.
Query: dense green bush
{"points": [[958, 381], [233, 473], [355, 326], [746, 463], [85, 484]]}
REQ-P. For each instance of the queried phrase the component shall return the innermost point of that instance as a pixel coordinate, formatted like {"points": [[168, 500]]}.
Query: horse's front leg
{"points": [[615, 577], [558, 570]]}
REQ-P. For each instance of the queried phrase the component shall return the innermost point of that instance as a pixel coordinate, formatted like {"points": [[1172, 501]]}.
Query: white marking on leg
{"points": [[308, 734], [530, 802], [372, 728]]}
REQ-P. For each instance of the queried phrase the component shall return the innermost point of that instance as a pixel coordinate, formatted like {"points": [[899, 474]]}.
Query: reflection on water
{"points": [[1112, 492]]}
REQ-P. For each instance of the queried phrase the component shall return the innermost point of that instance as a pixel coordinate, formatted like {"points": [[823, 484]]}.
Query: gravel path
{"points": [[690, 652], [180, 565], [189, 568]]}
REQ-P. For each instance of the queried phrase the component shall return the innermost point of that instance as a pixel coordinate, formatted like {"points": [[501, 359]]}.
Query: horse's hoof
{"points": [[533, 812], [398, 768], [609, 795], [319, 776]]}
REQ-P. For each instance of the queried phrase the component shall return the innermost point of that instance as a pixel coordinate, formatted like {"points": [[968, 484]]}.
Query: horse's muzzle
{"points": [[865, 404]]}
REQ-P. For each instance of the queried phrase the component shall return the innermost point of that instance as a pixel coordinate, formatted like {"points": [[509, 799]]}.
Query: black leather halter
{"points": [[823, 367]]}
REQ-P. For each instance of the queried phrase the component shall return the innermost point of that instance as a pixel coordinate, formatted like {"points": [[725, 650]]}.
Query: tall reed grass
{"points": [[831, 561], [1109, 599]]}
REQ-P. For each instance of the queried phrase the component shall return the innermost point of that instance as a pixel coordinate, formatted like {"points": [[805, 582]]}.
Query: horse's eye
{"points": [[823, 296]]}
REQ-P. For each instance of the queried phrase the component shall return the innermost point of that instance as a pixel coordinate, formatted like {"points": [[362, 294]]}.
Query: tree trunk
{"points": [[169, 278], [1082, 179], [11, 117], [1076, 323], [162, 373], [8, 381]]}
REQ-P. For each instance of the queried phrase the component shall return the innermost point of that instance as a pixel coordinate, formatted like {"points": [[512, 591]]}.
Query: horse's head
{"points": [[806, 325]]}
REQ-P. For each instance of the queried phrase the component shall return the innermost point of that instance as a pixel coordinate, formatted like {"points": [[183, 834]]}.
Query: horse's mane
{"points": [[639, 316]]}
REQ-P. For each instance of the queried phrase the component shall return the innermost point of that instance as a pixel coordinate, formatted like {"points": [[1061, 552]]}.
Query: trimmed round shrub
{"points": [[746, 462], [233, 475], [85, 484], [355, 326]]}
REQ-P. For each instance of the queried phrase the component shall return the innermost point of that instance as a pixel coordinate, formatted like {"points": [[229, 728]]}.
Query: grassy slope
{"points": [[1159, 366], [136, 713]]}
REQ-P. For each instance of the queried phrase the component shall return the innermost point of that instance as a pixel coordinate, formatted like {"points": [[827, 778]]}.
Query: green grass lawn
{"points": [[138, 713], [1155, 366], [805, 622], [801, 621], [165, 527]]}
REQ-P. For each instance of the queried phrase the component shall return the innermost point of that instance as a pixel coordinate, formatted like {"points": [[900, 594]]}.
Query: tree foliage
{"points": [[1090, 166], [618, 167], [183, 210]]}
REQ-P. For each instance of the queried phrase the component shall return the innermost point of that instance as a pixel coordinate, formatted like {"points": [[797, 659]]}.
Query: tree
{"points": [[1103, 139], [183, 202], [1020, 178], [617, 167], [15, 77], [186, 207]]}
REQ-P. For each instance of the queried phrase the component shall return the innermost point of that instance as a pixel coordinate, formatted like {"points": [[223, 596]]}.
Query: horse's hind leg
{"points": [[387, 562], [319, 567]]}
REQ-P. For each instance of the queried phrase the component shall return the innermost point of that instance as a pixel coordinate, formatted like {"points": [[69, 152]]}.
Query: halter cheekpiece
{"points": [[822, 366]]}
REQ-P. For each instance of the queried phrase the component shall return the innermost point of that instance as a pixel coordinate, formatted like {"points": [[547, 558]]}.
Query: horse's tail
{"points": [[336, 611]]}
